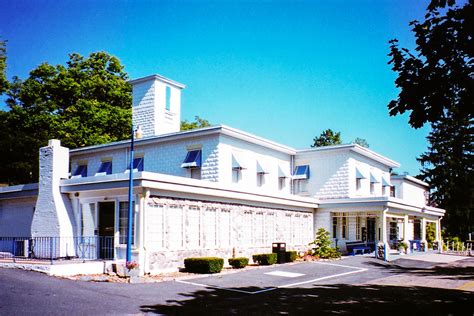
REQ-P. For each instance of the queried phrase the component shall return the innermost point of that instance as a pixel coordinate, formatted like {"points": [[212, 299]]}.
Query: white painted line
{"points": [[337, 265], [227, 289], [323, 278], [285, 274]]}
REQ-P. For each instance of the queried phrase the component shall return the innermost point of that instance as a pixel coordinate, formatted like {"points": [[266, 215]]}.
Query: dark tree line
{"points": [[436, 83]]}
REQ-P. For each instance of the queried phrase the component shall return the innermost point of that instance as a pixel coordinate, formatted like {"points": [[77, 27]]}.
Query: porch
{"points": [[360, 231]]}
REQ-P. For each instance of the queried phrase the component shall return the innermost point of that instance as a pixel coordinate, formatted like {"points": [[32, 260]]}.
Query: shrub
{"points": [[322, 246], [265, 259], [238, 263], [290, 256], [204, 264]]}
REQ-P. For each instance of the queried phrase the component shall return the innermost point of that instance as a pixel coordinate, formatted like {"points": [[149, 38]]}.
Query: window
{"points": [[358, 228], [393, 233], [260, 175], [392, 191], [123, 222], [193, 229], [88, 219], [192, 161], [155, 226], [168, 98], [81, 172], [301, 186], [174, 217], [236, 175], [210, 231], [358, 184], [373, 181], [237, 168], [138, 164], [281, 183], [105, 168], [281, 178], [344, 227], [334, 227], [301, 172]]}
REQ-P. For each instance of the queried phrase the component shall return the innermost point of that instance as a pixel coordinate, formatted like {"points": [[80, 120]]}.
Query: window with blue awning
{"points": [[192, 160], [301, 172]]}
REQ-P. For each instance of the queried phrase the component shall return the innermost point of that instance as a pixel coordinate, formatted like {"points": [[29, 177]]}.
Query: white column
{"points": [[141, 234], [405, 232], [423, 232]]}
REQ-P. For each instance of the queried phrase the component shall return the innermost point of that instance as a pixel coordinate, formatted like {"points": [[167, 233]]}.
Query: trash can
{"points": [[279, 248]]}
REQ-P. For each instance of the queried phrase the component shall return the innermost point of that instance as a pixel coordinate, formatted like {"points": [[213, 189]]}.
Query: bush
{"points": [[265, 259], [322, 246], [238, 263], [290, 256], [204, 264]]}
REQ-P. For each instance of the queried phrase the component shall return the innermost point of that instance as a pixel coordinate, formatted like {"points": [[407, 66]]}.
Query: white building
{"points": [[210, 191]]}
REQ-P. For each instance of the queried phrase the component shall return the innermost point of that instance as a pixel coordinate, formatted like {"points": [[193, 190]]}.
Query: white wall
{"points": [[329, 173], [163, 157], [16, 216], [367, 167], [176, 229], [248, 154], [409, 191], [149, 107]]}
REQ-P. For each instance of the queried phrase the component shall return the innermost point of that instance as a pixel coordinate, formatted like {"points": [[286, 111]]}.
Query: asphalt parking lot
{"points": [[354, 285], [278, 276]]}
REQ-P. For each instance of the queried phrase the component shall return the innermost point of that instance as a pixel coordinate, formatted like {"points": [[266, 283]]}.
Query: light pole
{"points": [[130, 202]]}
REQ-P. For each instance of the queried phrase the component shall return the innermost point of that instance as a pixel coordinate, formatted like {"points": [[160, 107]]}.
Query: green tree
{"points": [[436, 87], [362, 142], [198, 123], [86, 102], [322, 245], [327, 138], [3, 67]]}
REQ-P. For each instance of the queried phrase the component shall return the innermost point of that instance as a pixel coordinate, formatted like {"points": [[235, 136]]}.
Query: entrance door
{"points": [[106, 229], [370, 229]]}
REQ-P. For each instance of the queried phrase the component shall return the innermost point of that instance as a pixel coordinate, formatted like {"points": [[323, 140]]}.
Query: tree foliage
{"points": [[327, 138], [198, 123], [438, 77], [436, 86], [3, 67], [362, 142], [86, 102]]}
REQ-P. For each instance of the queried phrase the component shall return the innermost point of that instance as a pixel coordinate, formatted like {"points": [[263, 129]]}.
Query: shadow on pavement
{"points": [[322, 299], [460, 270]]}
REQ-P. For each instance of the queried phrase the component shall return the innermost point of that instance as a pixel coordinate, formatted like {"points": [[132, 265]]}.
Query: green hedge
{"points": [[204, 264], [238, 263], [265, 259], [290, 256]]}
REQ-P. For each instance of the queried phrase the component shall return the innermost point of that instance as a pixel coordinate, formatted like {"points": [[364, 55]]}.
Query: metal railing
{"points": [[458, 248], [57, 248]]}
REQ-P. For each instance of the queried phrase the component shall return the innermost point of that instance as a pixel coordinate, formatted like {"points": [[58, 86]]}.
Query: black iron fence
{"points": [[57, 248]]}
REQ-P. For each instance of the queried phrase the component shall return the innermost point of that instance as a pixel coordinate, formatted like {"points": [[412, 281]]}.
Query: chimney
{"points": [[156, 105], [53, 215]]}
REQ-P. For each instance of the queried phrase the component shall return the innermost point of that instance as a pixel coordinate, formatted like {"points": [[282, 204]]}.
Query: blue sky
{"points": [[283, 70]]}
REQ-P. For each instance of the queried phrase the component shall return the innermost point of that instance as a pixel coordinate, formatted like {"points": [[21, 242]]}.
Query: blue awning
{"points": [[138, 164], [237, 163], [261, 169], [81, 171], [359, 174], [301, 172], [386, 182], [373, 178], [105, 168], [192, 160]]}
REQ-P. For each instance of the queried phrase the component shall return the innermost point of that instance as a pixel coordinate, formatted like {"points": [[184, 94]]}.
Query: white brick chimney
{"points": [[53, 216], [156, 105]]}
